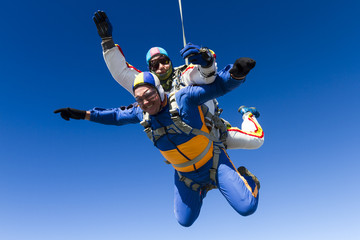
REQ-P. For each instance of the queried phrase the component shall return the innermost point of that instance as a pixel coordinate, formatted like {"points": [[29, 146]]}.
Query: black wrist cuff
{"points": [[107, 43]]}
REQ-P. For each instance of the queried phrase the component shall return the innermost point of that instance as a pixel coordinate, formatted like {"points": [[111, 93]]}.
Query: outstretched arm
{"points": [[121, 71], [110, 116], [67, 113], [117, 116]]}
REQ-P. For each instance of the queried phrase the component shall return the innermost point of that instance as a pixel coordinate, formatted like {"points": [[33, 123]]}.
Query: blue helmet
{"points": [[155, 51], [148, 78]]}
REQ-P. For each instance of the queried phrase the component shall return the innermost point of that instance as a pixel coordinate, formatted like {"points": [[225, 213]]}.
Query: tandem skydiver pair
{"points": [[177, 114]]}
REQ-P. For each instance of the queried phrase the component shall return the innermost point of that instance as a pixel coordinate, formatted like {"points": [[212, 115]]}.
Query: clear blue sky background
{"points": [[81, 180]]}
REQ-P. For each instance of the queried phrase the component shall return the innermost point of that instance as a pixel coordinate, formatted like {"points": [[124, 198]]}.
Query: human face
{"points": [[159, 64], [148, 99]]}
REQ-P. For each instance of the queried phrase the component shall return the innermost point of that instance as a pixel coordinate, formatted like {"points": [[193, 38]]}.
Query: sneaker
{"points": [[244, 172], [253, 110]]}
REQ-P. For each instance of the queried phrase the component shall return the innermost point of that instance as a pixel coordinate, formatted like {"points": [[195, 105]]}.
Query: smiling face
{"points": [[148, 99]]}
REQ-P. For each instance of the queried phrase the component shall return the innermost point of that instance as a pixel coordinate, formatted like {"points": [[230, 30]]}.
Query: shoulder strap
{"points": [[146, 124]]}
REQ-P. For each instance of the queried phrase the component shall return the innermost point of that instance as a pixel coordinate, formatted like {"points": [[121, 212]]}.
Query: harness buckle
{"points": [[195, 187], [182, 178], [160, 131], [208, 187], [174, 113], [145, 123], [217, 150], [147, 129]]}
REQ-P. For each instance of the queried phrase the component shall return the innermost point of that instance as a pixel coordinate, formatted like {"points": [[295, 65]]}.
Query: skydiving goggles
{"points": [[149, 95], [154, 64]]}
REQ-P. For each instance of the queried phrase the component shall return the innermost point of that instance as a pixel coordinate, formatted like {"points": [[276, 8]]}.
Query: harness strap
{"points": [[145, 120], [145, 123], [188, 182], [222, 128], [195, 186], [178, 125], [155, 134], [158, 133], [216, 157], [208, 116], [182, 125], [196, 159]]}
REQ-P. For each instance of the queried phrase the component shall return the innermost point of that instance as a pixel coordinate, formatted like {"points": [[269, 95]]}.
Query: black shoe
{"points": [[244, 172]]}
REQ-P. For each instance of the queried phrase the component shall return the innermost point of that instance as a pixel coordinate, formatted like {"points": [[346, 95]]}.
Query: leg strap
{"points": [[188, 182], [216, 157]]}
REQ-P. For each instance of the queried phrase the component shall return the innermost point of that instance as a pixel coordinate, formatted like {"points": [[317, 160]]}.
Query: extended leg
{"points": [[187, 203], [250, 136], [240, 191]]}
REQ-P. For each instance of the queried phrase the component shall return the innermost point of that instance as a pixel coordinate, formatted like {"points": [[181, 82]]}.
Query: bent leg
{"points": [[241, 192], [250, 136], [187, 203]]}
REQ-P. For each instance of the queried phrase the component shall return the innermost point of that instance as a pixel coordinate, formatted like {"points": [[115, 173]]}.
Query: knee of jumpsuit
{"points": [[187, 203], [241, 192]]}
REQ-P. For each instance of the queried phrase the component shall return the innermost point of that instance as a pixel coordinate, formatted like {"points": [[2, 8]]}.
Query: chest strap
{"points": [[155, 134]]}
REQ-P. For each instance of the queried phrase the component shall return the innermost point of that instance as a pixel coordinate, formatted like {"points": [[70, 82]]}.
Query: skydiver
{"points": [[174, 123]]}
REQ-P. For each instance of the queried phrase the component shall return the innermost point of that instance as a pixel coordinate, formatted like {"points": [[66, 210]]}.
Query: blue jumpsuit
{"points": [[240, 191]]}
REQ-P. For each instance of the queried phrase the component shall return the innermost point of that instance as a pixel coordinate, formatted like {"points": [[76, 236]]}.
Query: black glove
{"points": [[242, 67], [67, 113], [103, 25]]}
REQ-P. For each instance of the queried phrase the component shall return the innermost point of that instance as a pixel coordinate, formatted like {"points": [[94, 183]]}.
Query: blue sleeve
{"points": [[224, 83], [117, 116]]}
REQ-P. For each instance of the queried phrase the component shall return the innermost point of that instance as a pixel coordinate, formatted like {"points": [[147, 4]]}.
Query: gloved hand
{"points": [[197, 55], [242, 67], [103, 25], [67, 113]]}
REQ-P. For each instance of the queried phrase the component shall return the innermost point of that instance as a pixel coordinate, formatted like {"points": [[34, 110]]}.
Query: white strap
{"points": [[183, 30]]}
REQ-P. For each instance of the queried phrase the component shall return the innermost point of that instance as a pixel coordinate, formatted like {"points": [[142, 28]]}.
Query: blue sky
{"points": [[82, 180]]}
